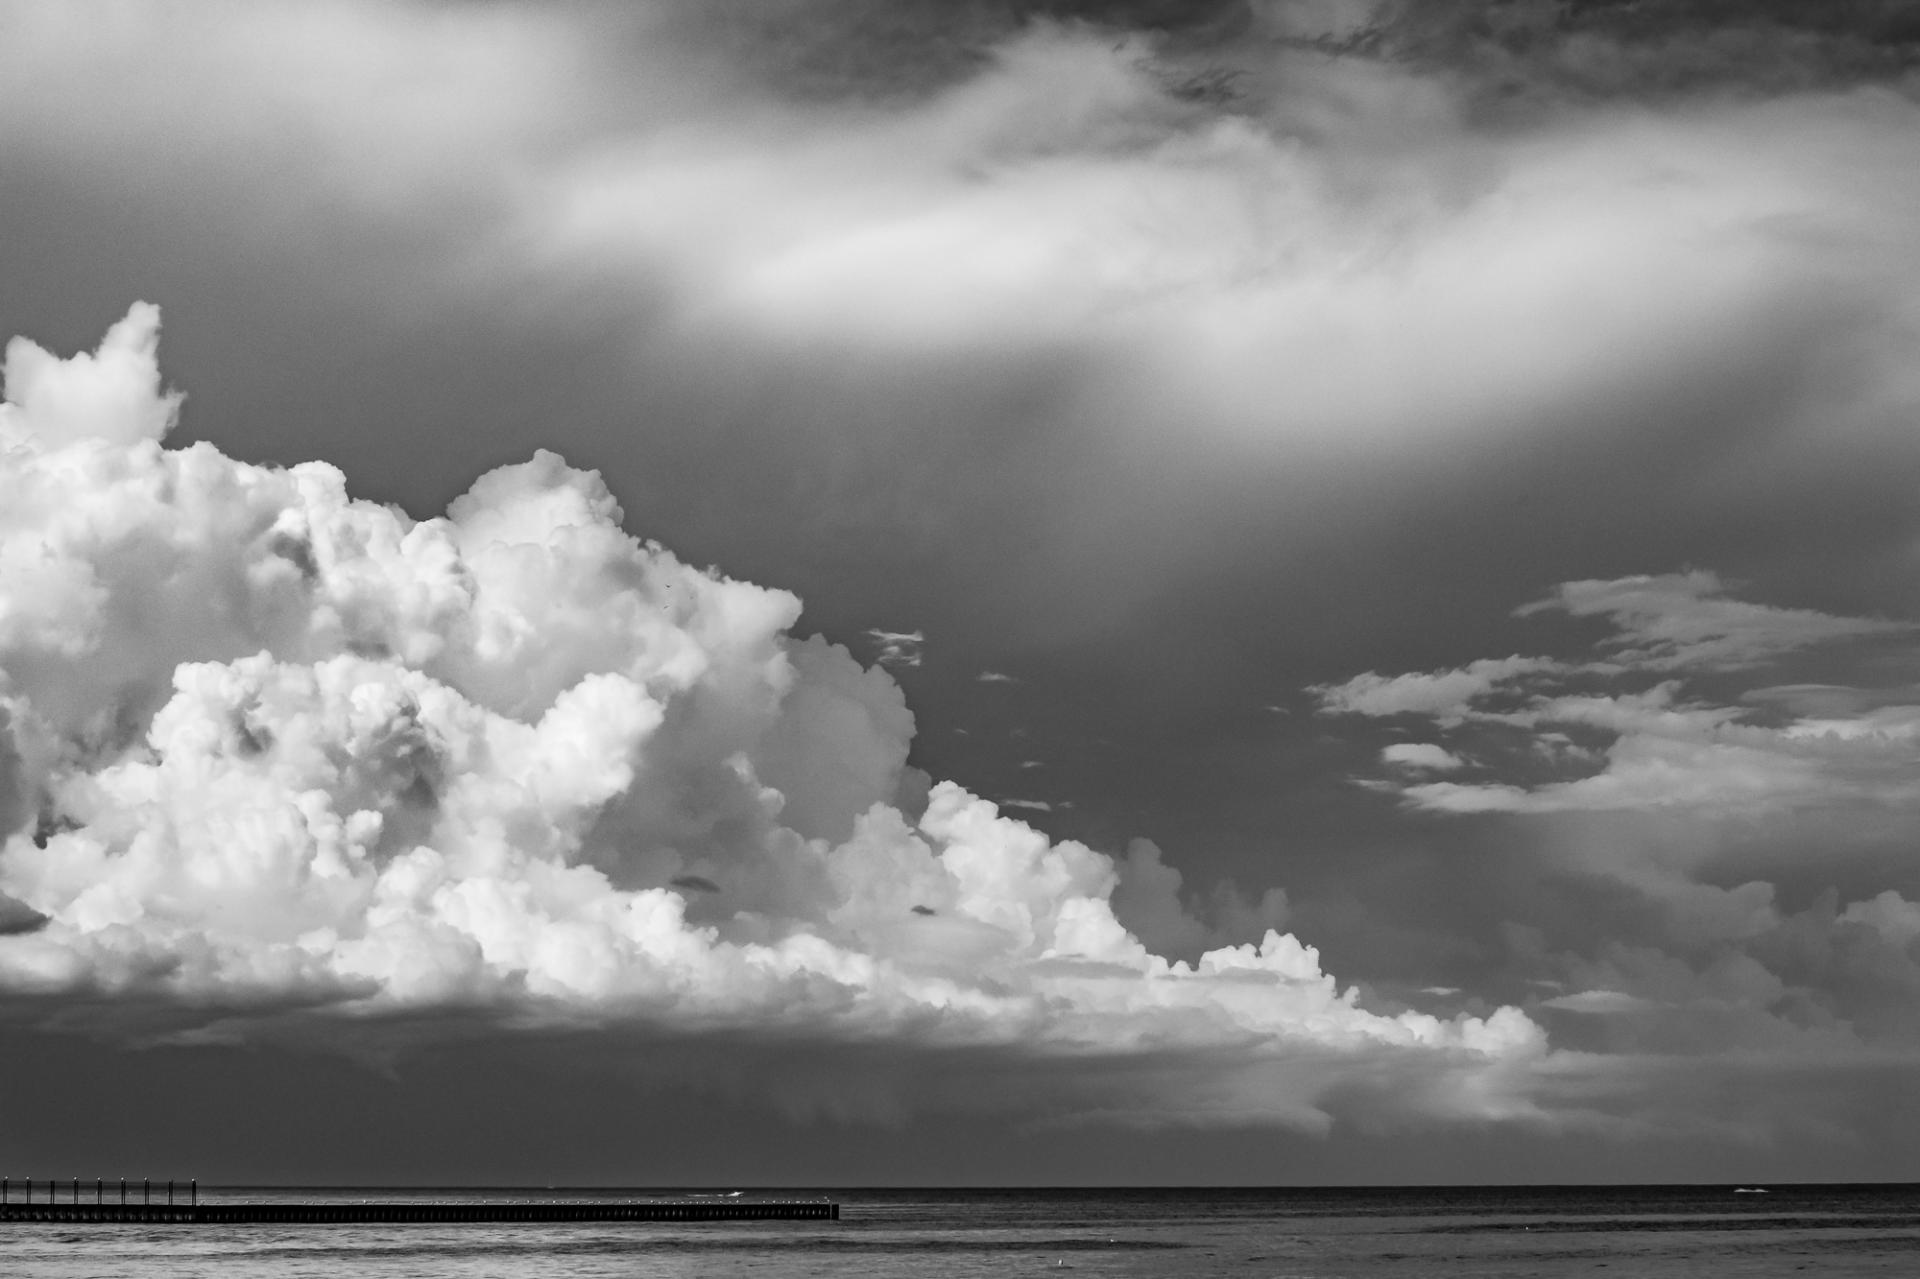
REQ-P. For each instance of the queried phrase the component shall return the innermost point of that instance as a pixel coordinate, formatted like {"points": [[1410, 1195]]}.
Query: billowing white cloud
{"points": [[107, 394], [274, 748]]}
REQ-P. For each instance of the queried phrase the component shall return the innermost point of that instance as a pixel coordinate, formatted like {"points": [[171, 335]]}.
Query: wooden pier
{"points": [[104, 1208]]}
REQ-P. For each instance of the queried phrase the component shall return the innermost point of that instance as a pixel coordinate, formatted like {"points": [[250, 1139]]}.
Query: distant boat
{"points": [[1749, 1190]]}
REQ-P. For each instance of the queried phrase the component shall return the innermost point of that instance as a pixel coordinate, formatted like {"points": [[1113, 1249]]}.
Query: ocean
{"points": [[1490, 1232]]}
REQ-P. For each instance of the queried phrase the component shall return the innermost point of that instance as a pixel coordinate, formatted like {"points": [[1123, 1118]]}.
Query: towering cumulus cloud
{"points": [[275, 755]]}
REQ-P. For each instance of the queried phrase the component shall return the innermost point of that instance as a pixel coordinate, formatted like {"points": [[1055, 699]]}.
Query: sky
{"points": [[892, 592]]}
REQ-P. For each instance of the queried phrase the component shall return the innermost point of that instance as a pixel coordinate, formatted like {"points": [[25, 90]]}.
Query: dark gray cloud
{"points": [[1514, 54], [504, 1112], [911, 48], [1519, 53]]}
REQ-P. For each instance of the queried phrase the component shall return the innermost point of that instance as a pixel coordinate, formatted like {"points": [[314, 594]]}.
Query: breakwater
{"points": [[188, 1210]]}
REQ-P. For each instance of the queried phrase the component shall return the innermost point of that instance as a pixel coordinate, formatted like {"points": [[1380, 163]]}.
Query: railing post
{"points": [[146, 1191], [169, 1192]]}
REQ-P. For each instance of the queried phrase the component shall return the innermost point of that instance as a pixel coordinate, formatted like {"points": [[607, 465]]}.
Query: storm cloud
{"points": [[1515, 397], [291, 752]]}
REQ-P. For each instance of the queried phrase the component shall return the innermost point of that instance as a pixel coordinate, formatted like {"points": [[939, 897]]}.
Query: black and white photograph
{"points": [[958, 638]]}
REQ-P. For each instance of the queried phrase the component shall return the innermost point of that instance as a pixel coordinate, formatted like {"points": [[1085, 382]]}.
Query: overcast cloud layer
{"points": [[1222, 313], [1446, 470]]}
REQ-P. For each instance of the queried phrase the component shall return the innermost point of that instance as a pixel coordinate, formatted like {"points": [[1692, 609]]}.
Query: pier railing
{"points": [[24, 1190]]}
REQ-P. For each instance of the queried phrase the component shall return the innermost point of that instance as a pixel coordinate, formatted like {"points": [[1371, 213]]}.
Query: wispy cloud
{"points": [[1665, 767], [899, 648], [1447, 696], [1690, 621], [1666, 748]]}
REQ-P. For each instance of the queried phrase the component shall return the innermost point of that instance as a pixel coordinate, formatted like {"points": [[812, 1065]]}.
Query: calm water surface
{"points": [[937, 1234]]}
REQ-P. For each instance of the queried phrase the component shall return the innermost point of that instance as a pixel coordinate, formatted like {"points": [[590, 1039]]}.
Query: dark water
{"points": [[934, 1234]]}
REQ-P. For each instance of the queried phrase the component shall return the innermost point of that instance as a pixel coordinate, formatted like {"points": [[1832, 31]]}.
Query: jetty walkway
{"points": [[104, 1208]]}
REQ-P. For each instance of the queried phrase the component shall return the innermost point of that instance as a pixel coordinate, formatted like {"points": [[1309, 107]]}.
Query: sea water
{"points": [[1487, 1232]]}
